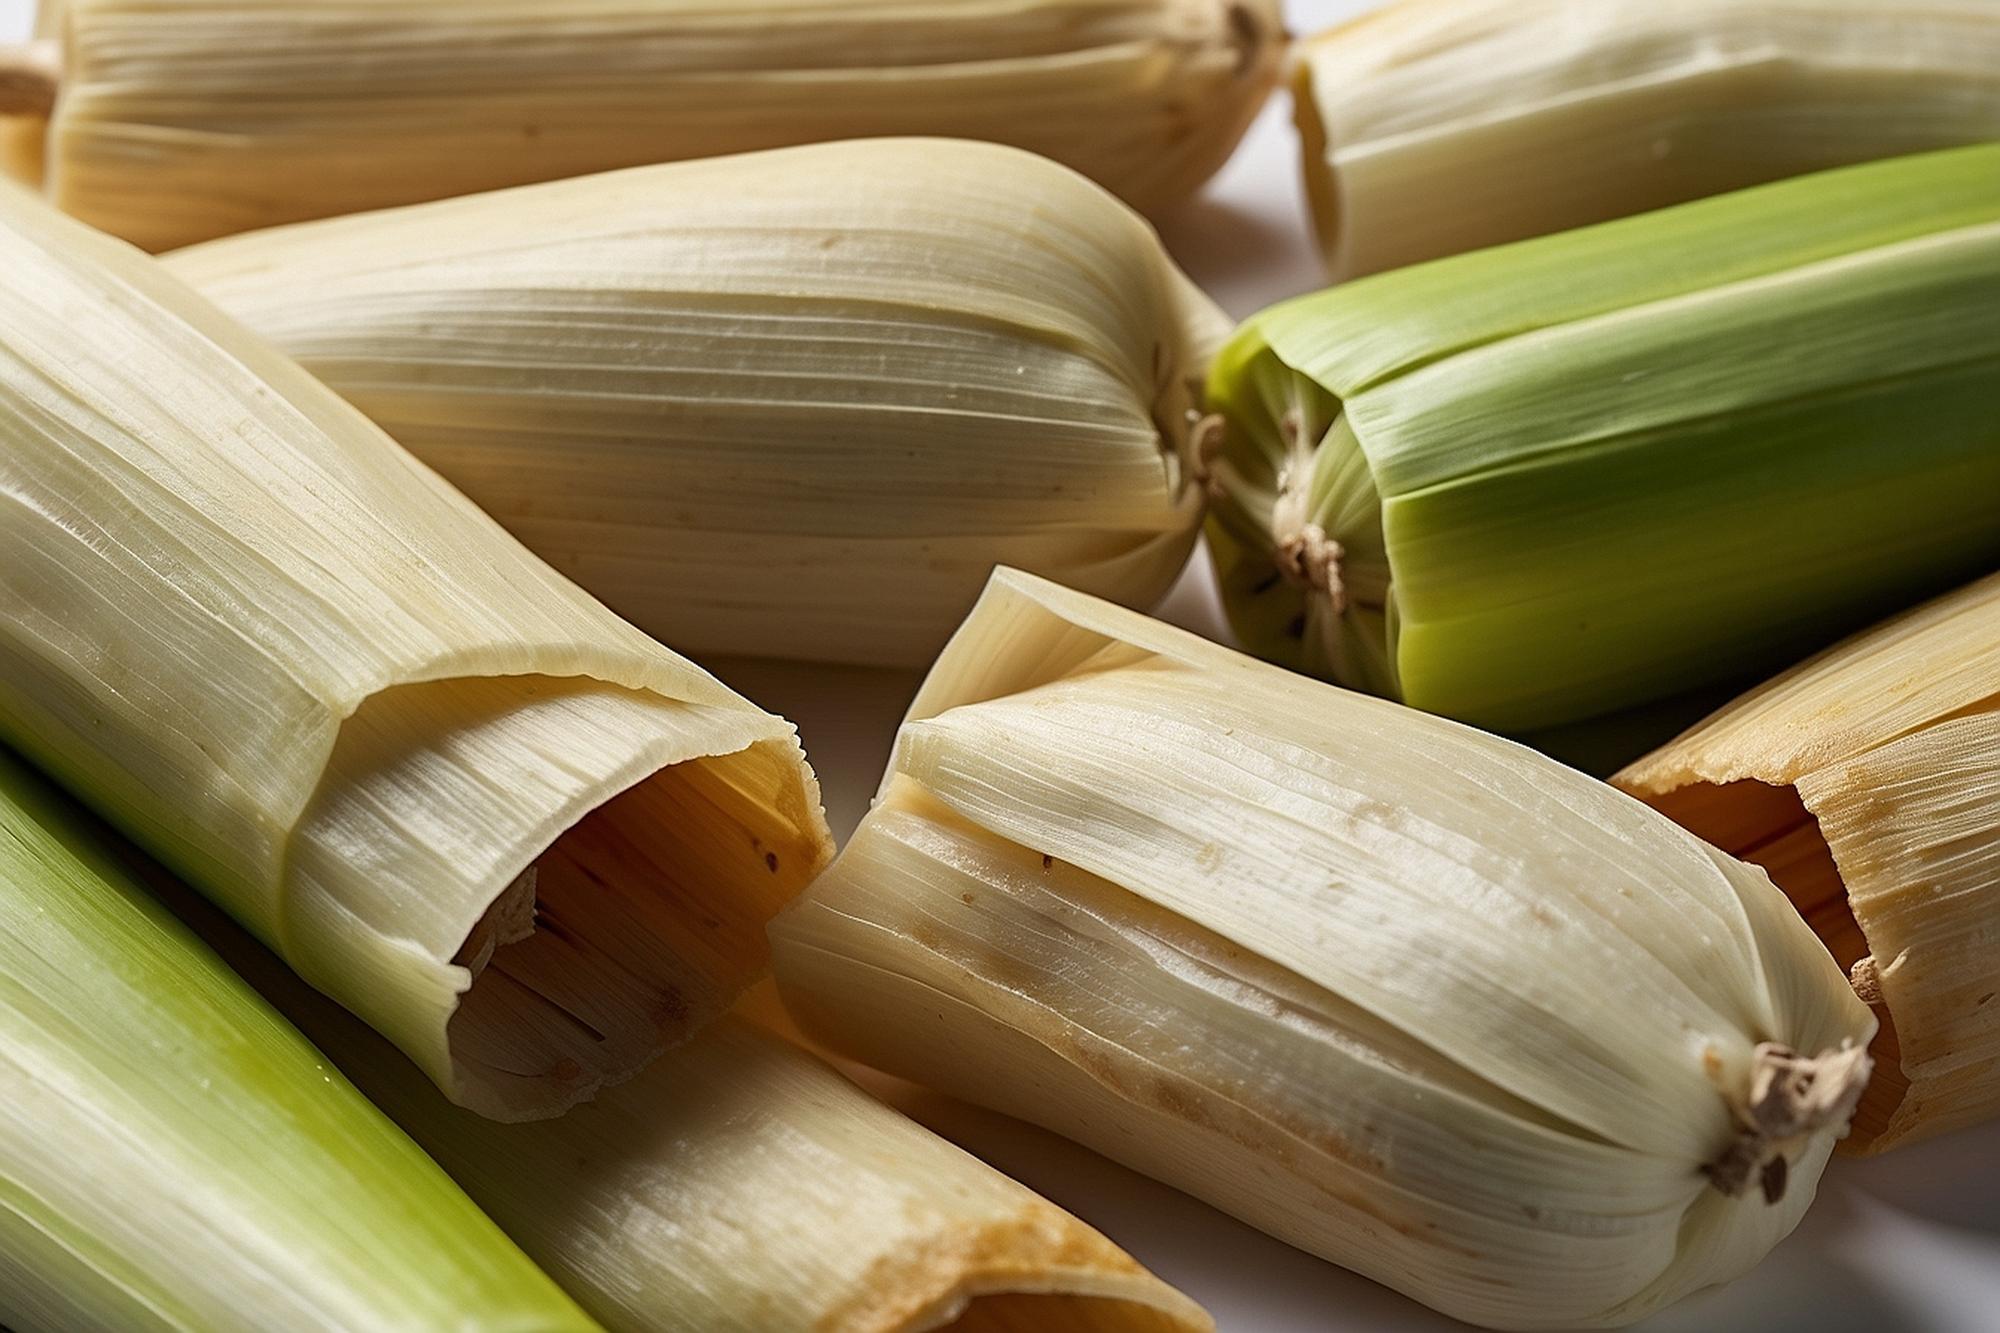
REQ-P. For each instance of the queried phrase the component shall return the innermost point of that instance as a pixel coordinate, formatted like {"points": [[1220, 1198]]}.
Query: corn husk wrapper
{"points": [[1403, 994], [740, 1185], [1568, 476], [791, 404], [520, 838], [174, 1155], [190, 119], [1867, 781], [1433, 127]]}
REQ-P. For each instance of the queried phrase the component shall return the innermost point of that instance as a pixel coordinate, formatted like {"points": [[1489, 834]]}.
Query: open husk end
{"points": [[212, 117], [741, 1185], [516, 835], [1432, 127], [1867, 781], [791, 404], [1403, 994]]}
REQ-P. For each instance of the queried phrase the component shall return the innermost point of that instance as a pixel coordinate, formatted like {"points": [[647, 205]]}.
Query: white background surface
{"points": [[1909, 1243]]}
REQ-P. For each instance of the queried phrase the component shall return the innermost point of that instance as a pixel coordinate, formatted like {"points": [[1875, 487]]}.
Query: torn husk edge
{"points": [[1867, 781], [379, 711], [741, 1185]]}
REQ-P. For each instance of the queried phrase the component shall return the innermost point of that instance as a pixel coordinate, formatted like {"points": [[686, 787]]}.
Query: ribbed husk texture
{"points": [[313, 678], [1567, 476], [189, 119], [1404, 994], [1868, 781], [791, 404], [1437, 126], [174, 1155], [739, 1185]]}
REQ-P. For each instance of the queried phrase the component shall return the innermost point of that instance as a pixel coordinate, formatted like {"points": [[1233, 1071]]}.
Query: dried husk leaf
{"points": [[740, 1185], [1405, 995], [1867, 780], [313, 678], [791, 404], [190, 119], [1433, 127]]}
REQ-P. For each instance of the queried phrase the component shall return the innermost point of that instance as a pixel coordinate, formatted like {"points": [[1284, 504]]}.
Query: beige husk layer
{"points": [[197, 118], [313, 678], [795, 403], [1432, 127], [740, 1185], [1867, 781], [1404, 994]]}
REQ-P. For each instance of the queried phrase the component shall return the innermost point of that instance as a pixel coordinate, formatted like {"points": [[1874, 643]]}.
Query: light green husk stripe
{"points": [[1584, 471], [740, 1185], [174, 1155], [520, 838], [1403, 994]]}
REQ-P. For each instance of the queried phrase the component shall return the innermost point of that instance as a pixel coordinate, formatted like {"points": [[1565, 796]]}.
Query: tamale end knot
{"points": [[1791, 1098], [1312, 559]]}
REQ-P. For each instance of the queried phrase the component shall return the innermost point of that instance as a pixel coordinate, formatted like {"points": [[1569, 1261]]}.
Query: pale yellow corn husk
{"points": [[792, 404], [1401, 993], [189, 119], [516, 835], [1437, 126], [1867, 781], [739, 1185]]}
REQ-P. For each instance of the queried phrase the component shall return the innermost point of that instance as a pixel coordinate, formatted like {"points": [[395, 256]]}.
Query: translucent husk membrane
{"points": [[1867, 781], [314, 679], [1401, 993], [207, 117], [1555, 480], [174, 1155], [1432, 127]]}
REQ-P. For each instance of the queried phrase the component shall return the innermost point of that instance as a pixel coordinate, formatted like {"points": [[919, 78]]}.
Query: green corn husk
{"points": [[1544, 482], [174, 1155]]}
